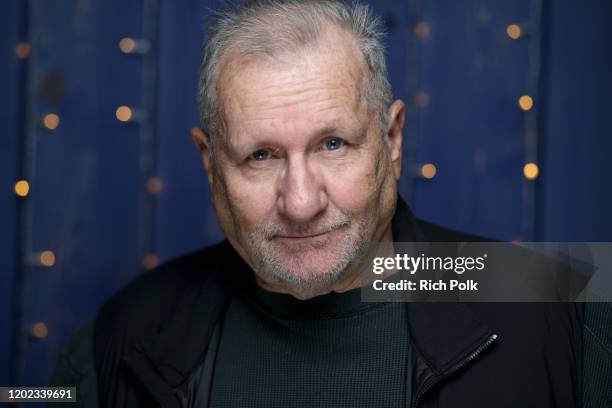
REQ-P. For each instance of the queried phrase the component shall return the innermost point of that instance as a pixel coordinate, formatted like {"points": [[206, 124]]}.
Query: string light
{"points": [[51, 121], [129, 45], [525, 102], [514, 31], [428, 170], [421, 100], [47, 258], [39, 330], [150, 261], [22, 188], [421, 29], [22, 50], [531, 171], [154, 185], [124, 113]]}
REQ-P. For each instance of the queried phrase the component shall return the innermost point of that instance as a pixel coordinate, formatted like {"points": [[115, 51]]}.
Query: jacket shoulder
{"points": [[138, 312], [142, 305], [150, 297]]}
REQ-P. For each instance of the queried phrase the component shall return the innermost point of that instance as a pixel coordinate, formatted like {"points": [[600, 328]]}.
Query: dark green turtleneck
{"points": [[329, 351]]}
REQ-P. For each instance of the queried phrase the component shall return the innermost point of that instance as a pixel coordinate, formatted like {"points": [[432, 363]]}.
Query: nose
{"points": [[302, 195]]}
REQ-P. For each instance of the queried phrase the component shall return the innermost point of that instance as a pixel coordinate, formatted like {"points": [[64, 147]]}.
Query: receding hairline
{"points": [[269, 27], [330, 37]]}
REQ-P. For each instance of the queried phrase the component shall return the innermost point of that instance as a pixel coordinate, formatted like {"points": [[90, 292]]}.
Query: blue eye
{"points": [[260, 155], [333, 144]]}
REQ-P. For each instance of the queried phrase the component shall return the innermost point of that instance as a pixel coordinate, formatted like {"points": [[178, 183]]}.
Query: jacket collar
{"points": [[444, 334]]}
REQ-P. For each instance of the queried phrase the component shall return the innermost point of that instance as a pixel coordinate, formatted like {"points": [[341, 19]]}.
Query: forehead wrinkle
{"points": [[329, 106], [315, 95], [342, 89], [332, 103], [290, 86]]}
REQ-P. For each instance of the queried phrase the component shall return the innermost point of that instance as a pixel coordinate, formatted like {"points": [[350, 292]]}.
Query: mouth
{"points": [[303, 237], [318, 236]]}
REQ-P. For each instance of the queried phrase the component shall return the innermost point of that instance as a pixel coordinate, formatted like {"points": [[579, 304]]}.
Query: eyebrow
{"points": [[334, 129], [237, 152], [330, 129]]}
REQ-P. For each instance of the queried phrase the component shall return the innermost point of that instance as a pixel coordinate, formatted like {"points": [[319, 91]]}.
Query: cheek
{"points": [[355, 187], [251, 202]]}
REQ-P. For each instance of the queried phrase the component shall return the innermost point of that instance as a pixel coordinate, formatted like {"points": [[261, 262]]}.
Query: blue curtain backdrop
{"points": [[108, 199]]}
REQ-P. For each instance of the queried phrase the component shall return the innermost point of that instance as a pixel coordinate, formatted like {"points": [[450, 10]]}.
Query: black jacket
{"points": [[157, 337]]}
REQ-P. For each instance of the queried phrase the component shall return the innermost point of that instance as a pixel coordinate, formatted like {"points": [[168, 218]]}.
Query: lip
{"points": [[297, 237]]}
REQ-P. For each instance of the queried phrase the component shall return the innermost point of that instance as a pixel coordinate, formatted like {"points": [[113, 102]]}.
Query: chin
{"points": [[312, 265], [309, 271]]}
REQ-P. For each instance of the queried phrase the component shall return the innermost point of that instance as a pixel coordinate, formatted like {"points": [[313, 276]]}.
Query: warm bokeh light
{"points": [[22, 188], [40, 330], [22, 50], [531, 171], [421, 29], [123, 113], [51, 121], [421, 100], [127, 45], [150, 261], [47, 258], [525, 102], [154, 185], [428, 171], [514, 31]]}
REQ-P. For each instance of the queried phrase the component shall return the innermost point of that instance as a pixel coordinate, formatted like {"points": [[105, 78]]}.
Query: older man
{"points": [[302, 148]]}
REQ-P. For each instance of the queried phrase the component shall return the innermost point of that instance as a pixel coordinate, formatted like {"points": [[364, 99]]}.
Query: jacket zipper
{"points": [[453, 369]]}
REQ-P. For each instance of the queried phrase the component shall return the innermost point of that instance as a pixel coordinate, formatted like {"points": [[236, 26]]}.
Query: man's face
{"points": [[302, 179]]}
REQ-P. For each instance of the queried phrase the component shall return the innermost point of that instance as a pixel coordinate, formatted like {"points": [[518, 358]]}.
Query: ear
{"points": [[396, 115], [202, 142]]}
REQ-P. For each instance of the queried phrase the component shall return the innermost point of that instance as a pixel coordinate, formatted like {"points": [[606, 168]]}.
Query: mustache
{"points": [[270, 232]]}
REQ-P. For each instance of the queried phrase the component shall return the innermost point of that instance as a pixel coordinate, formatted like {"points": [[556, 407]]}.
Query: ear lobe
{"points": [[395, 135], [202, 142]]}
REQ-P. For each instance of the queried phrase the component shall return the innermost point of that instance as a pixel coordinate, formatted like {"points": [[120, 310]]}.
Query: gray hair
{"points": [[266, 27]]}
